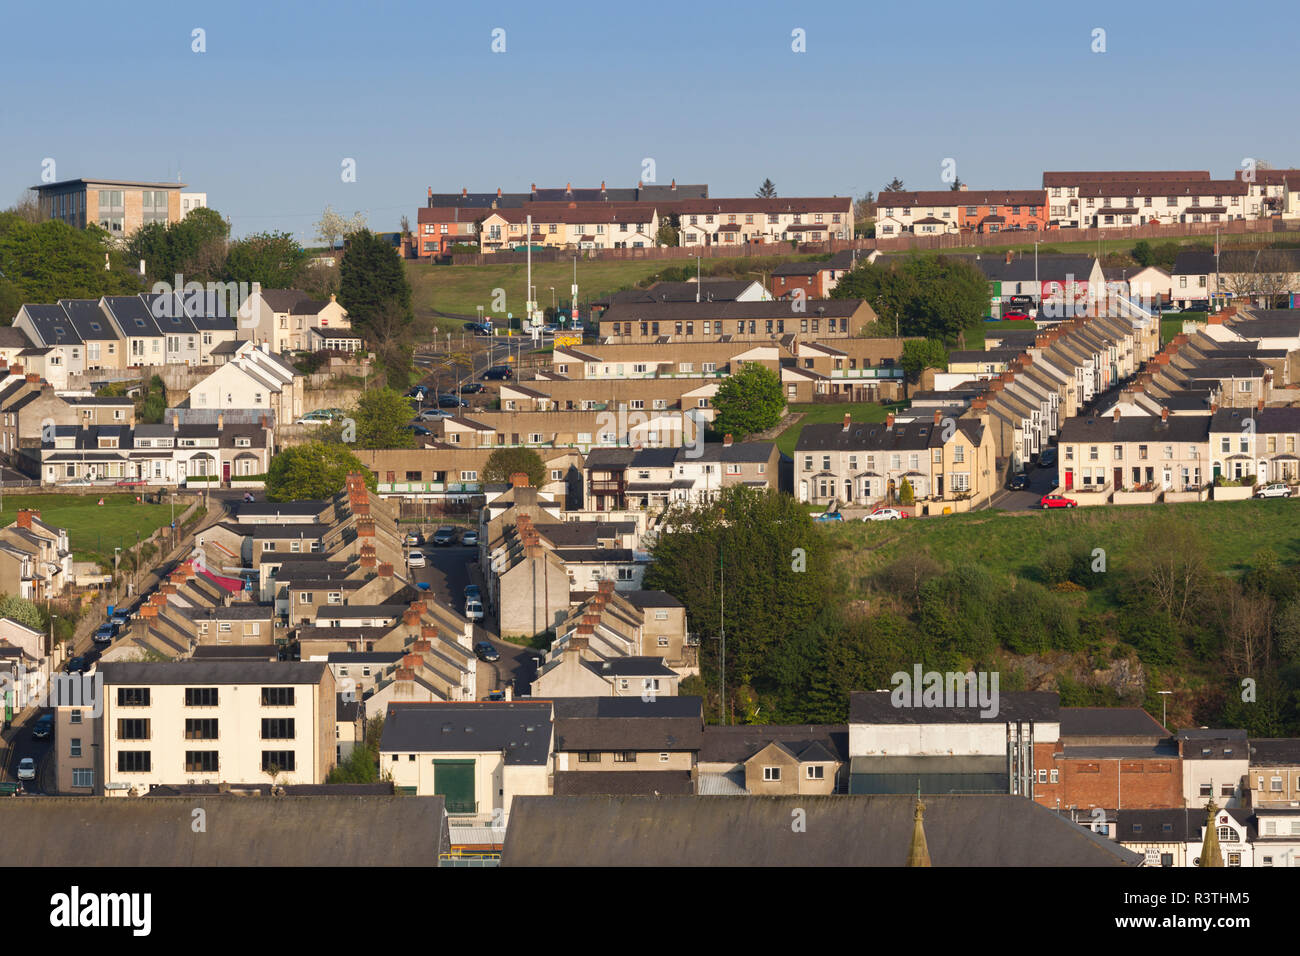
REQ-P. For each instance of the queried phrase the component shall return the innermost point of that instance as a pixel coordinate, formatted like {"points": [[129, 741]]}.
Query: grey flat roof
{"points": [[1109, 722], [878, 708]]}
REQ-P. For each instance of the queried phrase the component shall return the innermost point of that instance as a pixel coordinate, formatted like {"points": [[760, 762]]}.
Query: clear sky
{"points": [[712, 92]]}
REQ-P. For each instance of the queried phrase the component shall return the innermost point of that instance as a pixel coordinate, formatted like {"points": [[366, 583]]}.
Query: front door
{"points": [[225, 472], [1069, 478], [1119, 478]]}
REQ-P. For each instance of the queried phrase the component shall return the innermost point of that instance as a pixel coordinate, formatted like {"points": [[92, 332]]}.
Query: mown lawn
{"points": [[1174, 324], [94, 530], [1233, 532], [1106, 245]]}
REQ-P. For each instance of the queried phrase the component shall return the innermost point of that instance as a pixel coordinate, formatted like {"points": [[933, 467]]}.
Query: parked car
{"points": [[419, 391], [1015, 315], [472, 593], [132, 483], [451, 401], [474, 610], [43, 726], [77, 665], [104, 634], [1018, 482], [484, 651], [886, 514], [829, 516], [119, 621], [1276, 490], [319, 417], [414, 539], [498, 372], [1047, 458], [471, 388], [444, 536], [551, 330], [469, 539], [416, 559], [496, 696], [435, 415], [1057, 501], [419, 430], [1168, 310], [27, 769]]}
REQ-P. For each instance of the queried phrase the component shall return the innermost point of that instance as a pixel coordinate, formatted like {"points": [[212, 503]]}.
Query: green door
{"points": [[453, 780]]}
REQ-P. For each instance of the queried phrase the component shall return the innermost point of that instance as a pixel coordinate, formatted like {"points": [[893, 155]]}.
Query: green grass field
{"points": [[1107, 245], [1005, 543], [94, 530], [462, 289], [823, 413]]}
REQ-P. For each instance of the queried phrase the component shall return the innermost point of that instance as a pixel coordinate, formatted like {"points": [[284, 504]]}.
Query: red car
{"points": [[1057, 501], [1015, 316]]}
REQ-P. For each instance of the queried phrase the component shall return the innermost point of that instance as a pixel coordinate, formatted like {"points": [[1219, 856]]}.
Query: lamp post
{"points": [[1164, 701], [117, 587]]}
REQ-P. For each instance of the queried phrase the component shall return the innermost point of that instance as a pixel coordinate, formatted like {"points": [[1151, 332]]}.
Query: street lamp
{"points": [[1164, 700], [117, 587]]}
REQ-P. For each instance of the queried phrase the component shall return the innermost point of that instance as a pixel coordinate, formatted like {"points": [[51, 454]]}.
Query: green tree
{"points": [[381, 416], [906, 495], [1142, 253], [749, 401], [312, 471], [767, 190], [667, 235], [275, 259], [373, 287], [776, 566], [895, 186], [50, 260], [195, 247], [924, 295], [504, 462], [23, 611], [920, 354]]}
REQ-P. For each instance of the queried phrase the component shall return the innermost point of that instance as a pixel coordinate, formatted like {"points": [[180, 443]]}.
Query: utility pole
{"points": [[722, 635], [697, 278]]}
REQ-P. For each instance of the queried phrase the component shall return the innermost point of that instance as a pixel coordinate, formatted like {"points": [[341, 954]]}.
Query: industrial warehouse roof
{"points": [[334, 831], [969, 830], [878, 708]]}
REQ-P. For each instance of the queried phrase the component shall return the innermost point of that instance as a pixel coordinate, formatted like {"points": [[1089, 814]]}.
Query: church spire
{"points": [[1210, 853], [918, 854]]}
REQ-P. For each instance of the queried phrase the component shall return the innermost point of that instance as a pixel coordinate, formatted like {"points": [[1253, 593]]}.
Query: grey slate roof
{"points": [[726, 744], [326, 831], [519, 729], [213, 672], [1109, 721], [1274, 750], [676, 831], [644, 599], [620, 782], [1135, 428]]}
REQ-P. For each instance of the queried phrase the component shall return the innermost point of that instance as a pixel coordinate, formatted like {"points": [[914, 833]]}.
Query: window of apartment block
{"points": [[277, 728], [200, 761], [279, 759], [133, 729], [74, 747], [83, 777], [74, 717], [625, 756], [201, 696], [133, 697], [277, 696], [134, 761], [200, 728], [589, 756]]}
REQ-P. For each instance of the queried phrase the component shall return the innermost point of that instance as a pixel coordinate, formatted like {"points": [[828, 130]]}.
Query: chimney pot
{"points": [[1164, 414], [889, 420], [938, 416], [727, 440], [1116, 413]]}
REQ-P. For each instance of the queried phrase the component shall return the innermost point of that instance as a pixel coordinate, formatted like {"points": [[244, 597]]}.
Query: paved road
{"points": [[1041, 481], [20, 743], [447, 573]]}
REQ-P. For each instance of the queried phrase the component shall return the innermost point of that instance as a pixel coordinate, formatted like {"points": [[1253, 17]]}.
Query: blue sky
{"points": [[713, 92]]}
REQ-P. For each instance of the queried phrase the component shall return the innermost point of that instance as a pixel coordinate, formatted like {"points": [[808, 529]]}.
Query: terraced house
{"points": [[1135, 452], [571, 225], [949, 212], [733, 222], [944, 460]]}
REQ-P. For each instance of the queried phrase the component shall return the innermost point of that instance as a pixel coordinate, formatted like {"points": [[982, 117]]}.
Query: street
{"points": [[1041, 481], [447, 573]]}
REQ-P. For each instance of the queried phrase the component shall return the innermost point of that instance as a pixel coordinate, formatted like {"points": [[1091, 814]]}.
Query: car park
{"points": [[474, 610], [416, 559], [1276, 490], [886, 514], [27, 769], [469, 539], [484, 651], [1057, 501], [43, 726], [498, 373], [829, 516], [444, 536]]}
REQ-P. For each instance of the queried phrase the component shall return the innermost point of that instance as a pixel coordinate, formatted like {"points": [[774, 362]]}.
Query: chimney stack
{"points": [[25, 517], [430, 195], [889, 420], [938, 416], [519, 480], [1009, 255], [1164, 415], [1116, 413], [673, 187], [221, 421]]}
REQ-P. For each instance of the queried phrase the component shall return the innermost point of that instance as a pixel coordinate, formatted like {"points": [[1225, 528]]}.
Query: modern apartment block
{"points": [[118, 206], [215, 721]]}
